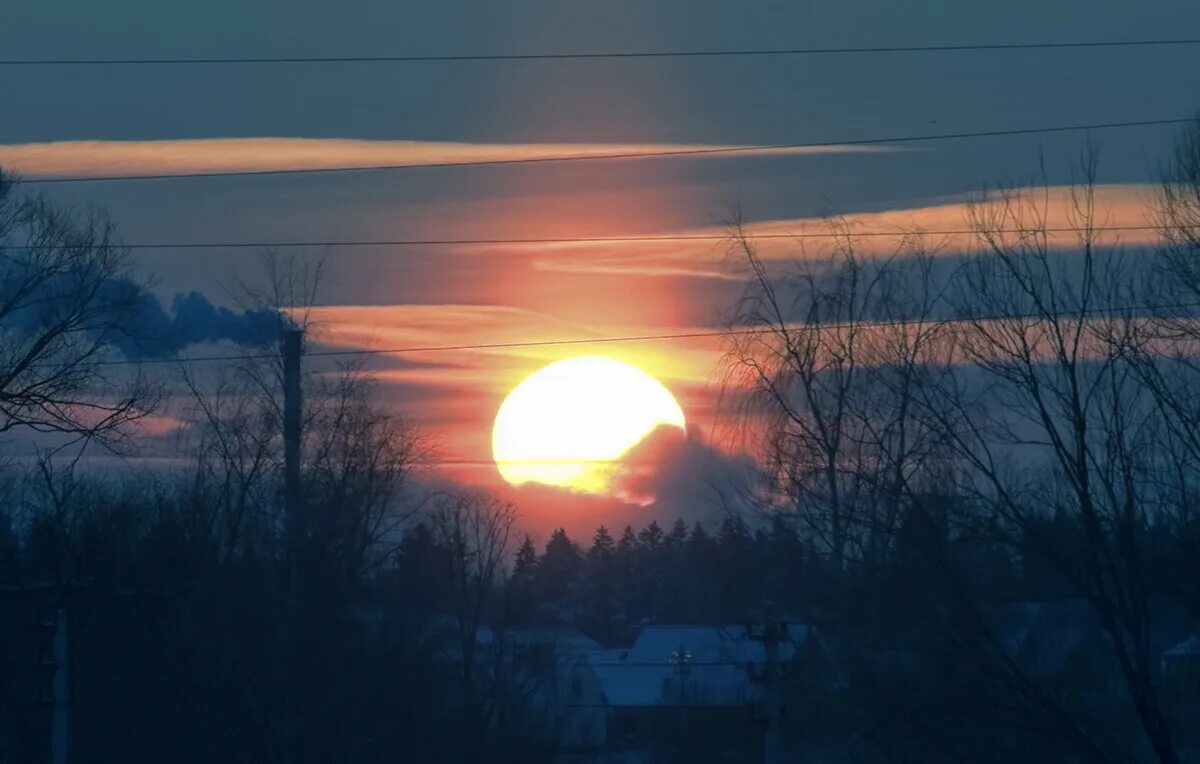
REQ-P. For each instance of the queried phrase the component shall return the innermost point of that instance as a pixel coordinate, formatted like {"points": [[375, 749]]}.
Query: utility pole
{"points": [[771, 634], [683, 695], [60, 723], [776, 632], [58, 660], [293, 346]]}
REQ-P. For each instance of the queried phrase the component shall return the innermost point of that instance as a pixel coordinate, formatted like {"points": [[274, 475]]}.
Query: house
{"points": [[530, 666], [526, 646], [1180, 666], [1181, 663], [706, 680]]}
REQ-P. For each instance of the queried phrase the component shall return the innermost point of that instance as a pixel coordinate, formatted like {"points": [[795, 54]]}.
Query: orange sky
{"points": [[88, 122], [548, 292], [534, 292]]}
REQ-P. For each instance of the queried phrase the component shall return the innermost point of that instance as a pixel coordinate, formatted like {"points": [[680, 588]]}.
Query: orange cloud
{"points": [[453, 326], [1118, 205], [212, 155]]}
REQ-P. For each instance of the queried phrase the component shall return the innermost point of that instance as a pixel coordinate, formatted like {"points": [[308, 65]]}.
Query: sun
{"points": [[568, 423]]}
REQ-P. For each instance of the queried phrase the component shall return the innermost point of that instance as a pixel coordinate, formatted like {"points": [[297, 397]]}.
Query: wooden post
{"points": [[292, 348], [773, 692], [771, 634], [293, 344], [60, 723]]}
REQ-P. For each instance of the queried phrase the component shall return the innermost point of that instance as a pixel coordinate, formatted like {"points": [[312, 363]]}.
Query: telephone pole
{"points": [[57, 660], [771, 634], [60, 722], [293, 347]]}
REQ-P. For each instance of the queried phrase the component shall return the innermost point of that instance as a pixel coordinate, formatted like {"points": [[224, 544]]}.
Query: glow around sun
{"points": [[568, 423]]}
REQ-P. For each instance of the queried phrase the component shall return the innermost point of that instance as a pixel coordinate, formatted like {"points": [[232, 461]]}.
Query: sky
{"points": [[139, 120]]}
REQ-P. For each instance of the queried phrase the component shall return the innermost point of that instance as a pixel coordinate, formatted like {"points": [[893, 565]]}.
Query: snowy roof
{"points": [[716, 672], [561, 638], [712, 643], [563, 643], [1187, 648], [1045, 635]]}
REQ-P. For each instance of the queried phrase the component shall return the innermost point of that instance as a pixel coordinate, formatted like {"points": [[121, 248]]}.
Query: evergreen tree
{"points": [[737, 566], [678, 535], [526, 562], [421, 569], [699, 540], [625, 569], [676, 588], [521, 584], [651, 570], [651, 536], [788, 579], [628, 542], [558, 570], [733, 532], [703, 563], [603, 547], [602, 586]]}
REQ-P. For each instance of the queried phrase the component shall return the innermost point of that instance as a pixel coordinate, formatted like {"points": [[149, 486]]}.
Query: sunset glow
{"points": [[568, 423]]}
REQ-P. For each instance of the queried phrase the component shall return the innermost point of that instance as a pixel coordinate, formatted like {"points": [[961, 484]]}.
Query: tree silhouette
{"points": [[68, 301]]}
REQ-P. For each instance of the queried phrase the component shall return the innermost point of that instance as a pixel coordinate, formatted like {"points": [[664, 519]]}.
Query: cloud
{"points": [[214, 155], [131, 318], [453, 332], [153, 331], [704, 251], [1116, 205], [417, 325], [678, 474], [668, 475]]}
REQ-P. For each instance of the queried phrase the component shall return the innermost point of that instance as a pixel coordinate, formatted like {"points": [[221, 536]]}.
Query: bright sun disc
{"points": [[567, 423]]}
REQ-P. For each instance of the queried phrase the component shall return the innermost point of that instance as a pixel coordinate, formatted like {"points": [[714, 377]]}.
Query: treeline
{"points": [[185, 649], [615, 583], [947, 643], [739, 573], [181, 653]]}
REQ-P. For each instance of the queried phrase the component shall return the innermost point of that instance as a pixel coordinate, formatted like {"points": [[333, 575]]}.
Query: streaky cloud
{"points": [[210, 155]]}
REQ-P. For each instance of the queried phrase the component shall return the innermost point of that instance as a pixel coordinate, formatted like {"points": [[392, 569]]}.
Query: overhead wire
{"points": [[732, 332], [618, 239], [599, 55]]}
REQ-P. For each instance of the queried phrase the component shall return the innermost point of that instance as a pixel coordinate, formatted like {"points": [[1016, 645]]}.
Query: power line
{"points": [[524, 462], [598, 239], [658, 337], [669, 153], [246, 60], [699, 707]]}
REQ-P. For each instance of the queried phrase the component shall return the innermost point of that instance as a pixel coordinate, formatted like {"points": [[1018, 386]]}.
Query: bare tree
{"points": [[476, 529], [67, 302], [1177, 213], [906, 351], [359, 461], [1167, 348], [234, 439], [1024, 380], [798, 376], [357, 456], [838, 344], [1052, 418]]}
